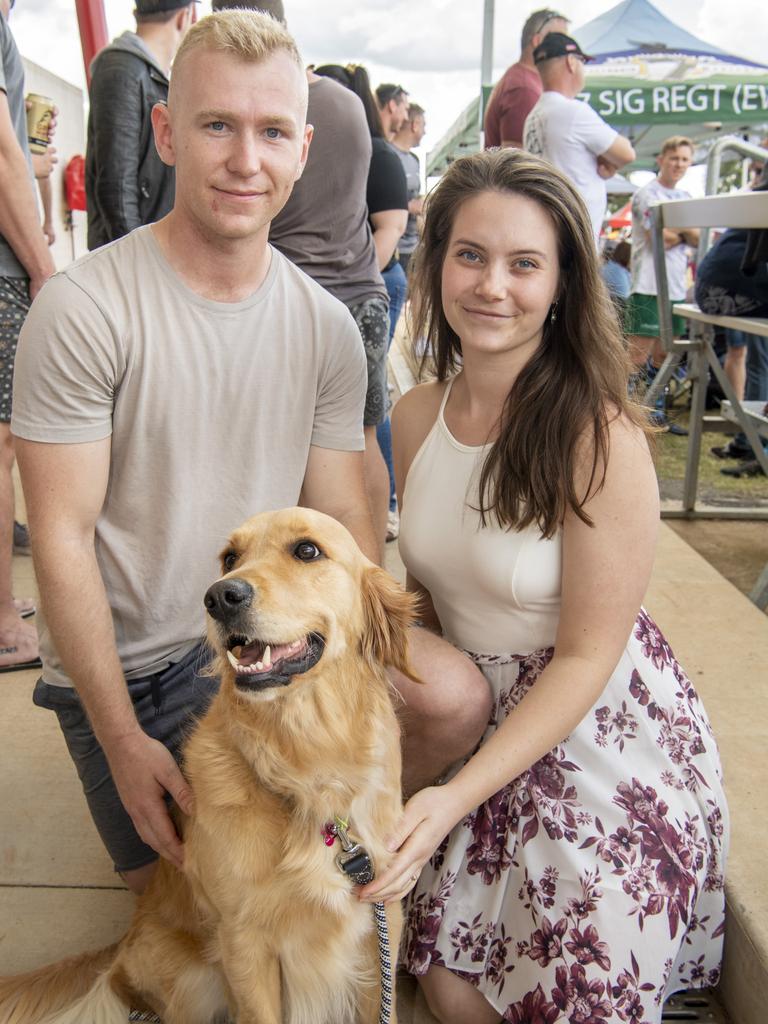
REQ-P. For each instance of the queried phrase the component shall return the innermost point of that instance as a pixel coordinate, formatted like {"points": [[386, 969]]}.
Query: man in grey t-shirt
{"points": [[192, 378], [405, 141], [25, 264]]}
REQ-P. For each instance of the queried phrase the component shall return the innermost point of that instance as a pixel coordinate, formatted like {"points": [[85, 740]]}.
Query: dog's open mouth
{"points": [[259, 665]]}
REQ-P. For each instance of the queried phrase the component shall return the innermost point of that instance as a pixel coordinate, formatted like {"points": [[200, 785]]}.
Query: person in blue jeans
{"points": [[755, 389], [732, 279], [387, 196], [397, 288]]}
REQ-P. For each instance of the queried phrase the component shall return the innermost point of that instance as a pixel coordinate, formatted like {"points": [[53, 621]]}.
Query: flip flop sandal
{"points": [[18, 666], [25, 606]]}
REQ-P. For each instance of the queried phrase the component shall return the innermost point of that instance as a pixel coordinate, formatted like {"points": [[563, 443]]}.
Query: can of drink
{"points": [[39, 115]]}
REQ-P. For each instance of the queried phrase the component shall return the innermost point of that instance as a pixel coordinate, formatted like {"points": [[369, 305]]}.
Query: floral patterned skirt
{"points": [[591, 886]]}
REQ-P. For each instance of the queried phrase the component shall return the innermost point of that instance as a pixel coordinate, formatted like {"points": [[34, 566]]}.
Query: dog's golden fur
{"points": [[262, 924]]}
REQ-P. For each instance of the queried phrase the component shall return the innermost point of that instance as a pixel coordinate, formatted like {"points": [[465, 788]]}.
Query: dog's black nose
{"points": [[227, 597]]}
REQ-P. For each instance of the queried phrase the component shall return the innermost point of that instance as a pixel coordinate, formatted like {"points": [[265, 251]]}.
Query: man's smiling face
{"points": [[235, 131]]}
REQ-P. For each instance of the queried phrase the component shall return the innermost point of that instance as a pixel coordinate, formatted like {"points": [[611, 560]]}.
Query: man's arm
{"points": [[334, 484], [19, 223], [42, 165], [64, 487], [388, 226], [46, 198], [619, 153], [116, 122]]}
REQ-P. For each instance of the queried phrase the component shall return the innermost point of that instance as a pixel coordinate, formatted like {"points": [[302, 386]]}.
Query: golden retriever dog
{"points": [[263, 926]]}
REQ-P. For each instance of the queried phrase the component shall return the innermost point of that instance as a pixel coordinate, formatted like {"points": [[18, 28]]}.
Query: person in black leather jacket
{"points": [[126, 182]]}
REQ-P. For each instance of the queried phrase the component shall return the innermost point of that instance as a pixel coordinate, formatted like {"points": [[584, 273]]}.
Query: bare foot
{"points": [[18, 649]]}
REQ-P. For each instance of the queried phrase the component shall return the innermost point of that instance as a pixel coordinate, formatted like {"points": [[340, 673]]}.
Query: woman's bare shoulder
{"points": [[418, 407], [412, 419]]}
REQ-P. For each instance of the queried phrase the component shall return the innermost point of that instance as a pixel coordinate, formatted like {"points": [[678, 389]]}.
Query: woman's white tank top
{"points": [[495, 591]]}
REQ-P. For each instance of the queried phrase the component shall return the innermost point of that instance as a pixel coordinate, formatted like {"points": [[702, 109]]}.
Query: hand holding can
{"points": [[41, 113]]}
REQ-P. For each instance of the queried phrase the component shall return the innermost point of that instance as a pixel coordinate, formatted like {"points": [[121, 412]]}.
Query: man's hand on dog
{"points": [[144, 771], [427, 819]]}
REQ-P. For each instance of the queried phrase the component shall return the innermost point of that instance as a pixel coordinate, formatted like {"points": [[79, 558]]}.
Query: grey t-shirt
{"points": [[323, 228], [12, 84], [211, 408], [410, 237]]}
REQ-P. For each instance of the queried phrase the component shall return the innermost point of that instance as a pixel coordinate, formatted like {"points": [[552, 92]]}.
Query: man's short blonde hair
{"points": [[675, 142], [248, 35]]}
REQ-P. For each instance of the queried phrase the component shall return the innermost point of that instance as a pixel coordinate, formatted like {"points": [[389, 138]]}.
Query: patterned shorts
{"points": [[14, 306], [372, 319]]}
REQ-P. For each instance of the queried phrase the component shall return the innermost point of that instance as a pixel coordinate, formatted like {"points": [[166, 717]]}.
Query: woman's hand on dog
{"points": [[144, 771], [427, 819]]}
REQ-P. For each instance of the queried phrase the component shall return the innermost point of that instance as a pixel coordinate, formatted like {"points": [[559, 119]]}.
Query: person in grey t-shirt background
{"points": [[25, 265], [407, 137], [405, 141]]}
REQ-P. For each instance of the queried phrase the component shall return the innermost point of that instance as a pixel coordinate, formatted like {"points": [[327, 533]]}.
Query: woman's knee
{"points": [[455, 691], [467, 697]]}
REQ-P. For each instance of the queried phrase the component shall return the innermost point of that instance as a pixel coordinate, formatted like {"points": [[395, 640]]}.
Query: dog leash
{"points": [[355, 861]]}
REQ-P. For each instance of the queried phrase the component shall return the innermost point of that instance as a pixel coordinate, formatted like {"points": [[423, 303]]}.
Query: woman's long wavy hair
{"points": [[574, 383]]}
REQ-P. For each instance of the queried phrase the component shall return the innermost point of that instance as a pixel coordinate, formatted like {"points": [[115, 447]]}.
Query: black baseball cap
{"points": [[556, 44]]}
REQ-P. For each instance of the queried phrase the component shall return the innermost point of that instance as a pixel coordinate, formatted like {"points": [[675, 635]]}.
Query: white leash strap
{"points": [[385, 1010]]}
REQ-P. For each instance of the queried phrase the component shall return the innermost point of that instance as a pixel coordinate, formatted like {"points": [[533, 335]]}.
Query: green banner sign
{"points": [[722, 99]]}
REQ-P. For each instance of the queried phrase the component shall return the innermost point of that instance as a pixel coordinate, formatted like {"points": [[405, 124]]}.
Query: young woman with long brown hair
{"points": [[572, 868]]}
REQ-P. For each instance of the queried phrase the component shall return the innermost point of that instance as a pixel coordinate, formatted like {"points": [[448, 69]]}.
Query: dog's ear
{"points": [[388, 611]]}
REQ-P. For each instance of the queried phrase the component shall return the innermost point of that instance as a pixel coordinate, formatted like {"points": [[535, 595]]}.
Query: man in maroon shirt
{"points": [[517, 91]]}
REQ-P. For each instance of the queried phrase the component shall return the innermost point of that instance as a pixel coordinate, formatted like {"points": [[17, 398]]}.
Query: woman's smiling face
{"points": [[500, 274]]}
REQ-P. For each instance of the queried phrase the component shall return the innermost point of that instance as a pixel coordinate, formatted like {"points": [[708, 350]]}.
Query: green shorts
{"points": [[643, 317]]}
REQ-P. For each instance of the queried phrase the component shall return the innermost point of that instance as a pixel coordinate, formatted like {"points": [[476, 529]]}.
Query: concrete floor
{"points": [[58, 894], [737, 549]]}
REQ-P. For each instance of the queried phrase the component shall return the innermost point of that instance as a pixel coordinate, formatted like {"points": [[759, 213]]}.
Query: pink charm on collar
{"points": [[329, 833]]}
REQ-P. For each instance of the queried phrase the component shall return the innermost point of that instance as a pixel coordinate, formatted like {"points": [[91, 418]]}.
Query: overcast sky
{"points": [[431, 47]]}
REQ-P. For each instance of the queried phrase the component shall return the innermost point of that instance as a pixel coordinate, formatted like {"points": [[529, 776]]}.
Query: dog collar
{"points": [[357, 865], [353, 859]]}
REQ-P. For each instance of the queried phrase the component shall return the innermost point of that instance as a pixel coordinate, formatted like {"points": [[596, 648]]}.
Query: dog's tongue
{"points": [[260, 658]]}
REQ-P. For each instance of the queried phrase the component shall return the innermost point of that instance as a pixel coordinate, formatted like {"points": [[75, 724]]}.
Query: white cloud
{"points": [[431, 47]]}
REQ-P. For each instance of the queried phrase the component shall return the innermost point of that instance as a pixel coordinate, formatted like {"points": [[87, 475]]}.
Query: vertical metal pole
{"points": [[698, 374], [486, 61], [93, 30], [666, 331]]}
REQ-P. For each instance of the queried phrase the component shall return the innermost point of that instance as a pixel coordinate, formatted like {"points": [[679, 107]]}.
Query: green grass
{"points": [[714, 488]]}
